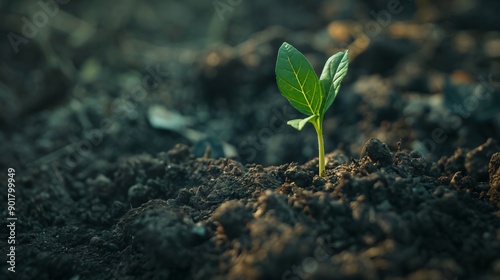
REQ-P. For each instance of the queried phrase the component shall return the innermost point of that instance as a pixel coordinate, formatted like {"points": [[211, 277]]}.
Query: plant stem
{"points": [[321, 147]]}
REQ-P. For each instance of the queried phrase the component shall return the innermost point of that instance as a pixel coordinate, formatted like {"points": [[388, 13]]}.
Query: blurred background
{"points": [[86, 82]]}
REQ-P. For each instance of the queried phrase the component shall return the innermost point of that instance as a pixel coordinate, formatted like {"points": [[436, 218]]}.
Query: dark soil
{"points": [[103, 190]]}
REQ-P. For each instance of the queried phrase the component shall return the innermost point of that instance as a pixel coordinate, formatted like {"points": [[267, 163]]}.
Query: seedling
{"points": [[298, 82]]}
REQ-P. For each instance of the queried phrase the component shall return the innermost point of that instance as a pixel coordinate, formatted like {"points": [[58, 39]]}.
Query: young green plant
{"points": [[298, 82]]}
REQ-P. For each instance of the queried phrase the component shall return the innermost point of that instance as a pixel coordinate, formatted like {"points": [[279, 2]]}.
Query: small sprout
{"points": [[298, 82]]}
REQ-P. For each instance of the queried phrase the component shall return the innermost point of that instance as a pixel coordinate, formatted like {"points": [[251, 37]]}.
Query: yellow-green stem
{"points": [[321, 147]]}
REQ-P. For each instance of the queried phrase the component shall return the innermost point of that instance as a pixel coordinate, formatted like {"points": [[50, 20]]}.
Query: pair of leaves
{"points": [[298, 82]]}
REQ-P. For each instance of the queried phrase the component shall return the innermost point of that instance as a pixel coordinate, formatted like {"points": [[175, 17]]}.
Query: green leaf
{"points": [[333, 73], [297, 81], [300, 123]]}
